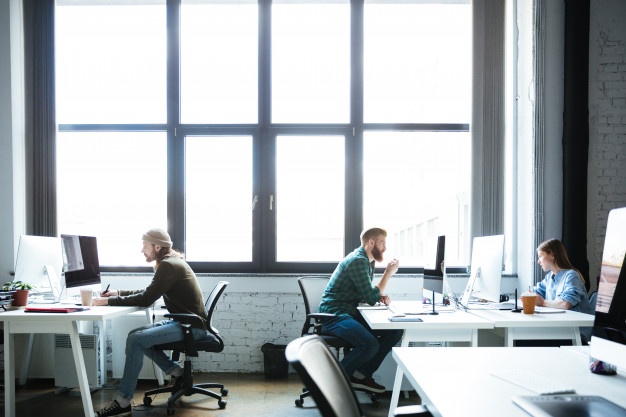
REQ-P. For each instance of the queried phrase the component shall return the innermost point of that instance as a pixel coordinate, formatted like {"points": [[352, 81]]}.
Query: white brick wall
{"points": [[607, 122], [248, 320]]}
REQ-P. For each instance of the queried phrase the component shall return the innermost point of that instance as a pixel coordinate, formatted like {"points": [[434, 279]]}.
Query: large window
{"points": [[264, 135]]}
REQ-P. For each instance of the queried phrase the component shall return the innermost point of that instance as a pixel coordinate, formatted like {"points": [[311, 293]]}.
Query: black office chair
{"points": [[190, 348], [328, 383], [312, 288], [593, 300]]}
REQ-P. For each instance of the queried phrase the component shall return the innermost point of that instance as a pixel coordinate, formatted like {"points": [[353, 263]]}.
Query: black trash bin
{"points": [[274, 361]]}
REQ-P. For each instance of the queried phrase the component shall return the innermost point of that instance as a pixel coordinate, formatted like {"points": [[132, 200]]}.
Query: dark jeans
{"points": [[369, 346]]}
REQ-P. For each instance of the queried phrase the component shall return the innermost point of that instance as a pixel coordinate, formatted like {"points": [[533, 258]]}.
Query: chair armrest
{"points": [[412, 411], [320, 316], [186, 319]]}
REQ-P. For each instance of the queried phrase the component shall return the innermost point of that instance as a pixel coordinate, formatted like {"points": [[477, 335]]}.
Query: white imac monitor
{"points": [[39, 262], [608, 340], [486, 270]]}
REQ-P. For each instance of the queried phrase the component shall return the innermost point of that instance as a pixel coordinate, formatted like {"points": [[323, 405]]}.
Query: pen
{"points": [[107, 290]]}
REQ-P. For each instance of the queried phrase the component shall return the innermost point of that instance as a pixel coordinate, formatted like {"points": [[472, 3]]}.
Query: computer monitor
{"points": [[433, 278], [90, 273], [486, 270], [608, 340], [39, 262]]}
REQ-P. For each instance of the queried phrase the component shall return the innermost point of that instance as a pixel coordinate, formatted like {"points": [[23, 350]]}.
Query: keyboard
{"points": [[537, 384]]}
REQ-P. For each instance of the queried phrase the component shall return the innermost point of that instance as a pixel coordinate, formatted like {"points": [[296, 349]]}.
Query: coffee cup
{"points": [[86, 297], [528, 302]]}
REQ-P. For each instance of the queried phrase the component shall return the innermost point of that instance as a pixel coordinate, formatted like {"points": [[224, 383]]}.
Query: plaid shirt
{"points": [[350, 284]]}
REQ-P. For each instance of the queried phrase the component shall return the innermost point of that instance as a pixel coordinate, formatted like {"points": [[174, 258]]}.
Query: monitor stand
{"points": [[516, 309], [432, 301]]}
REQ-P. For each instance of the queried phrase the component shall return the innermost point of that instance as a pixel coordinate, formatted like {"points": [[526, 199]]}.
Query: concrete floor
{"points": [[249, 395]]}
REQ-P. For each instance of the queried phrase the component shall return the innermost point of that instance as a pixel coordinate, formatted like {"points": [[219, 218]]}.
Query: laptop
{"points": [[568, 406]]}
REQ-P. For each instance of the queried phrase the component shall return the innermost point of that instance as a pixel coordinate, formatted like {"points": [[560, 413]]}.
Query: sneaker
{"points": [[367, 384], [113, 408]]}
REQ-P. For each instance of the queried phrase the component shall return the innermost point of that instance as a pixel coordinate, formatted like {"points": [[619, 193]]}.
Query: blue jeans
{"points": [[369, 346], [140, 342]]}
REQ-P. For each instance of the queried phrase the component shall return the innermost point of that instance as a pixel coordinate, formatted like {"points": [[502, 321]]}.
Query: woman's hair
{"points": [[556, 248]]}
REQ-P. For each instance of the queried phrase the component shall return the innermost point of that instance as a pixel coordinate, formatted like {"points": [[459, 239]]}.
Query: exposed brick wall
{"points": [[247, 321], [607, 128]]}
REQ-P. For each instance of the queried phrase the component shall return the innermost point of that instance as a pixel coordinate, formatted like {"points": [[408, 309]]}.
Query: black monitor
{"points": [[433, 278], [90, 273], [608, 340]]}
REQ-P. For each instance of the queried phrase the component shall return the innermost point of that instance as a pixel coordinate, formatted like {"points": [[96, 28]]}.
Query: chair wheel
{"points": [[147, 401], [221, 404], [224, 391], [299, 402], [374, 399], [170, 411]]}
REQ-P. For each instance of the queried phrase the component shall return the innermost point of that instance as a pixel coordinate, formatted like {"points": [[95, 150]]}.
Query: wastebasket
{"points": [[274, 361]]}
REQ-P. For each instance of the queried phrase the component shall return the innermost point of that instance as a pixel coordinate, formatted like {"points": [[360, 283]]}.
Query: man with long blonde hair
{"points": [[175, 281]]}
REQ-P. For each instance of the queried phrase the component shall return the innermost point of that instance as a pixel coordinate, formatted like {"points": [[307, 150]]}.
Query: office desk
{"points": [[457, 326], [457, 381], [520, 326], [20, 322]]}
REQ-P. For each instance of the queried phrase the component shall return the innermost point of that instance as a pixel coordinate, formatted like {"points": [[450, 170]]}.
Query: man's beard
{"points": [[377, 254], [151, 256]]}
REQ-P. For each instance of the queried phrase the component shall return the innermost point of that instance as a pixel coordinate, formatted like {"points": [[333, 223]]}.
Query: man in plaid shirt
{"points": [[351, 284]]}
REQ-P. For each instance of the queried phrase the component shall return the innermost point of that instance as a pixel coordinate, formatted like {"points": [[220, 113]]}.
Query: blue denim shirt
{"points": [[568, 286]]}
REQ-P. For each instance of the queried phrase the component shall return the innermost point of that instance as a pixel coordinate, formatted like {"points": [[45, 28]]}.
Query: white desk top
{"points": [[457, 380], [94, 313], [379, 319], [506, 318]]}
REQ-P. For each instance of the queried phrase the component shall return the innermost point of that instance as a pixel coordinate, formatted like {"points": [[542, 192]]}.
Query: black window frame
{"points": [[264, 134]]}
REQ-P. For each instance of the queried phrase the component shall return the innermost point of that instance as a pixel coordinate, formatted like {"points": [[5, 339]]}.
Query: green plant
{"points": [[16, 285]]}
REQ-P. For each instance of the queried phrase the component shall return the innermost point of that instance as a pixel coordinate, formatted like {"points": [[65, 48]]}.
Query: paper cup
{"points": [[528, 303], [85, 297]]}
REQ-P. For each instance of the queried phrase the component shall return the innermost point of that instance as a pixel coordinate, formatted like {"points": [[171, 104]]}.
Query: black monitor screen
{"points": [[433, 278], [90, 274], [610, 320]]}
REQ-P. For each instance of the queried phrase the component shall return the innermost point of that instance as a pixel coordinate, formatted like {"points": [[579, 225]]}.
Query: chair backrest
{"points": [[323, 376], [593, 299], [210, 304], [312, 289]]}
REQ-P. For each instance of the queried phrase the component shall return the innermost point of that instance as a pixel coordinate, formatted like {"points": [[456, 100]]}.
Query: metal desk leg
{"points": [[9, 371], [26, 359], [81, 371]]}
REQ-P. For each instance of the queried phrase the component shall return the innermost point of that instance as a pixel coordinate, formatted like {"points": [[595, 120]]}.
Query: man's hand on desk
{"points": [[100, 301]]}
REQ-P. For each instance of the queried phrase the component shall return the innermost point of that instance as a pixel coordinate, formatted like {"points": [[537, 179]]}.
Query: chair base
{"points": [[186, 389], [305, 393]]}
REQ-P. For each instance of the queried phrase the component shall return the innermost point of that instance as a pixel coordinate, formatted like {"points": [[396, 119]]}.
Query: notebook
{"points": [[54, 309]]}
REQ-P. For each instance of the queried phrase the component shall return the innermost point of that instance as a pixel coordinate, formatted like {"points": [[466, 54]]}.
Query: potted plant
{"points": [[20, 296]]}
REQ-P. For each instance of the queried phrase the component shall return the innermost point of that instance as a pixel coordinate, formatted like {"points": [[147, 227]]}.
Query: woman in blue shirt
{"points": [[563, 287]]}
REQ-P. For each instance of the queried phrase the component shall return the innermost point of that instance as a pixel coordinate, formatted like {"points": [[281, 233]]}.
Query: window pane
{"points": [[416, 185], [310, 183], [218, 189], [417, 65], [219, 65], [311, 62], [112, 186], [110, 62]]}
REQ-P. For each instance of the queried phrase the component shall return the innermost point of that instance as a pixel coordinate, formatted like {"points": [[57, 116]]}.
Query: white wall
{"points": [[12, 201]]}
